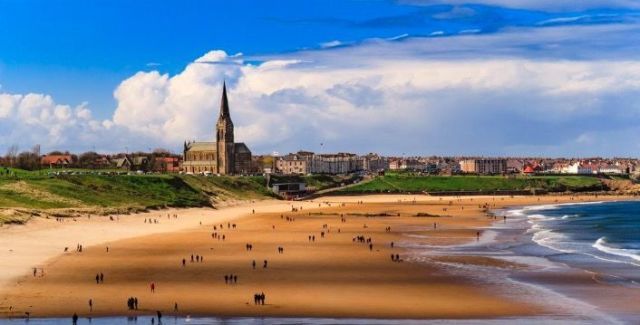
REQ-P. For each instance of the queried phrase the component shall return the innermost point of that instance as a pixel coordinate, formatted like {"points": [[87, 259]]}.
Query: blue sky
{"points": [[79, 53]]}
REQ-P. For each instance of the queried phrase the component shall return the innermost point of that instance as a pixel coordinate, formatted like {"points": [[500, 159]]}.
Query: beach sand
{"points": [[329, 277]]}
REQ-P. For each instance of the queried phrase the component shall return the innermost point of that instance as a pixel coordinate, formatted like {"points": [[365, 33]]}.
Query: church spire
{"points": [[224, 103]]}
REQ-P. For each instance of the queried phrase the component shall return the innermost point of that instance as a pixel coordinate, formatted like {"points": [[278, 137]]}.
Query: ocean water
{"points": [[603, 237]]}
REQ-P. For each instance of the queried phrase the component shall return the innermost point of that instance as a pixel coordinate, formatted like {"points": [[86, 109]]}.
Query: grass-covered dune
{"points": [[459, 183], [24, 193]]}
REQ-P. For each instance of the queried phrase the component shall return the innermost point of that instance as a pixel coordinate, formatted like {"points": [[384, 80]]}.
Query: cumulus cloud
{"points": [[524, 92], [29, 119], [407, 98]]}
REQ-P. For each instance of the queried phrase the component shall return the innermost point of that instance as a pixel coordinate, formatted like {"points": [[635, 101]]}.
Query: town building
{"points": [[340, 163], [56, 161], [374, 162], [167, 164], [484, 166], [224, 156], [294, 164]]}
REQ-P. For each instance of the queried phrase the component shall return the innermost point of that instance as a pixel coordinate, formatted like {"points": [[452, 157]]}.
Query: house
{"points": [[122, 163], [580, 168], [140, 162], [167, 164], [60, 161], [294, 164], [102, 162]]}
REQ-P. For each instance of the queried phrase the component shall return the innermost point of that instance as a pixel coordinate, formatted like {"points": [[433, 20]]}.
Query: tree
{"points": [[28, 160], [161, 152], [88, 159], [12, 153]]}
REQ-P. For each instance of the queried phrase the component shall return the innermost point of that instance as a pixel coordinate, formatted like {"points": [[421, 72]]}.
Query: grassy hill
{"points": [[413, 183], [23, 192]]}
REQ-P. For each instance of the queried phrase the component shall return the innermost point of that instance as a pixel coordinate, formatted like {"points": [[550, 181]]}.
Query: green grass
{"points": [[221, 187], [412, 183], [40, 190], [78, 191]]}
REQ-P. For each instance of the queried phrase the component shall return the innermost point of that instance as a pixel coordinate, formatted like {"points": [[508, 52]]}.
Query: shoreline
{"points": [[552, 274], [442, 238]]}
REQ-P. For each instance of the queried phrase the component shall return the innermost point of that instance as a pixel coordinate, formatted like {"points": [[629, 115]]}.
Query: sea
{"points": [[602, 237]]}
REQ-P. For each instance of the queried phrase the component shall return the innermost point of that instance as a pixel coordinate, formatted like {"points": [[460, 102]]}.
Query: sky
{"points": [[414, 77]]}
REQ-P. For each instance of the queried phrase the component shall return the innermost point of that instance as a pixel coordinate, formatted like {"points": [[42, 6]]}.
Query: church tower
{"points": [[225, 155]]}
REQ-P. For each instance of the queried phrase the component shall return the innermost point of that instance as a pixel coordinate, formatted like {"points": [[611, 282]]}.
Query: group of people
{"points": [[151, 220], [395, 258], [132, 303], [99, 278], [197, 259], [230, 279], [259, 298], [215, 235], [249, 247], [361, 239]]}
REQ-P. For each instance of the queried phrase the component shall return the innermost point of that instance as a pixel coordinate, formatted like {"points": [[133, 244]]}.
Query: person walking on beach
{"points": [[97, 278], [254, 264], [265, 264], [175, 307], [153, 287], [90, 305], [101, 277], [74, 319]]}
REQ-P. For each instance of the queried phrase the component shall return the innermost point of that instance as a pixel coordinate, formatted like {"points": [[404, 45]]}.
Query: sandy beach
{"points": [[321, 271]]}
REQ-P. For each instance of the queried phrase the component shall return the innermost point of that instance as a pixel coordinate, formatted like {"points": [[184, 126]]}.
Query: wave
{"points": [[551, 240], [602, 245]]}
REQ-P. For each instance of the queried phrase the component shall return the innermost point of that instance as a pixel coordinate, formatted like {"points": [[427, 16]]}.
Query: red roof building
{"points": [[56, 160]]}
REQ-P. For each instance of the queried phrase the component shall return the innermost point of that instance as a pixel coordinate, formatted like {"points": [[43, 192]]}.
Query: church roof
{"points": [[202, 146], [224, 103], [241, 148]]}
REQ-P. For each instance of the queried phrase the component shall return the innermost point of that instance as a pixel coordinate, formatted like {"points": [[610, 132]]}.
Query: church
{"points": [[224, 157]]}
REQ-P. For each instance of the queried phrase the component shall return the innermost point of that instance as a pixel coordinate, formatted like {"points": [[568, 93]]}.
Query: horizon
{"points": [[446, 78]]}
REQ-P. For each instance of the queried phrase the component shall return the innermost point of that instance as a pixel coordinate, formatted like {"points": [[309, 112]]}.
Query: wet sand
{"points": [[329, 277]]}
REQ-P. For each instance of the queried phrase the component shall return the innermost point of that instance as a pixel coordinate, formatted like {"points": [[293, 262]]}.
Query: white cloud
{"points": [[521, 92], [392, 105], [29, 119]]}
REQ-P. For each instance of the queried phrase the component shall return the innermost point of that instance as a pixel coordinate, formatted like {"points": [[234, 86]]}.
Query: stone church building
{"points": [[224, 157]]}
